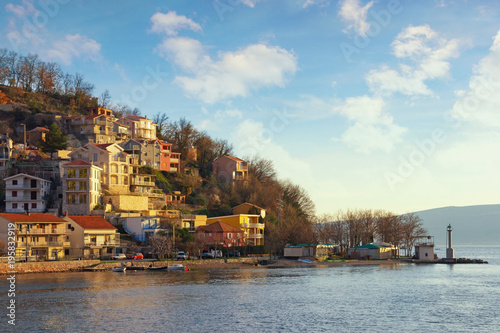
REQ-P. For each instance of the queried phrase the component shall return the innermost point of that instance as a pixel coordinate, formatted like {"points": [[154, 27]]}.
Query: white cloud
{"points": [[73, 46], [355, 15], [250, 3], [480, 104], [170, 23], [428, 54], [320, 3], [233, 74], [23, 10], [373, 128]]}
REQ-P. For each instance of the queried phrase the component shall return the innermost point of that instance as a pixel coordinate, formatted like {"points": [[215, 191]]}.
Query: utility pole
{"points": [[24, 126]]}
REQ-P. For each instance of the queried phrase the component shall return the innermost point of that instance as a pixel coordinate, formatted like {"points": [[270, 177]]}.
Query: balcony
{"points": [[46, 244], [102, 244], [36, 231], [153, 194], [24, 186], [256, 236], [252, 225], [119, 159], [141, 182]]}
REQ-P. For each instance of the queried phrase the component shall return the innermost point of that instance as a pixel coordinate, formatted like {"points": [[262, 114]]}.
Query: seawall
{"points": [[47, 266]]}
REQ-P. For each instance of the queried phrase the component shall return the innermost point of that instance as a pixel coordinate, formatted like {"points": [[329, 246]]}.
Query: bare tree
{"points": [[412, 228], [105, 99], [160, 119], [161, 245]]}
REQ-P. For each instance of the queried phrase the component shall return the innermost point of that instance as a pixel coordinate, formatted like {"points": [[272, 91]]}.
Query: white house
{"points": [[25, 193]]}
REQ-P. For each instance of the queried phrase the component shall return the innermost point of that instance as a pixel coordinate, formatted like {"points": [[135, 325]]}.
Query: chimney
{"points": [[66, 213]]}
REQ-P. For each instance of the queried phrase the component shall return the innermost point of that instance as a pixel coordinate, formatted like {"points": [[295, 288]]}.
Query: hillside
{"points": [[472, 225]]}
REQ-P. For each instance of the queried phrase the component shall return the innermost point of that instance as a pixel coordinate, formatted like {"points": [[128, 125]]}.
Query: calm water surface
{"points": [[385, 298]]}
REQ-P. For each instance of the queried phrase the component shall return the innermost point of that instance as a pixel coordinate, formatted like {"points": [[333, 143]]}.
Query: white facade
{"points": [[25, 193], [142, 227], [81, 184]]}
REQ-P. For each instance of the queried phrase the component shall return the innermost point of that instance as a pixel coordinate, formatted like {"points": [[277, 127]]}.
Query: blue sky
{"points": [[366, 104]]}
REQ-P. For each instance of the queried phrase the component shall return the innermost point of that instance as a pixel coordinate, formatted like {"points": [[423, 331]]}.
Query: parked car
{"points": [[207, 255], [119, 256], [135, 256], [181, 255], [234, 253]]}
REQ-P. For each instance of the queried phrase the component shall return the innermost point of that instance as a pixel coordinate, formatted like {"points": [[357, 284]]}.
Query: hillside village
{"points": [[107, 174]]}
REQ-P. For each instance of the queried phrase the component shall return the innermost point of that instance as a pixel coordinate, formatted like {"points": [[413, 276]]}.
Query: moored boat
{"points": [[119, 269], [178, 267]]}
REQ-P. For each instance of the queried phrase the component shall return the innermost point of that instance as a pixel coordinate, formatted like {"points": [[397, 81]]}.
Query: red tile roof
{"points": [[102, 146], [40, 129], [91, 222], [219, 227], [32, 217], [78, 162]]}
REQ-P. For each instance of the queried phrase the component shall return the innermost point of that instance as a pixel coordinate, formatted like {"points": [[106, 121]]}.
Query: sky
{"points": [[391, 105]]}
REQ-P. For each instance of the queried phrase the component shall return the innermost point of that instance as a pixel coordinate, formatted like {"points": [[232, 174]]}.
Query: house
{"points": [[36, 135], [219, 235], [309, 250], [100, 110], [25, 193], [424, 248], [91, 237], [175, 198], [81, 187], [191, 221], [153, 153], [230, 168], [37, 235], [113, 161], [142, 227], [122, 132], [252, 228], [248, 208], [373, 251], [6, 145], [94, 128], [140, 127]]}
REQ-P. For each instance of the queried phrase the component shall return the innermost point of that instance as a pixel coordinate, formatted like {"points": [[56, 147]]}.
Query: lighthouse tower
{"points": [[450, 253]]}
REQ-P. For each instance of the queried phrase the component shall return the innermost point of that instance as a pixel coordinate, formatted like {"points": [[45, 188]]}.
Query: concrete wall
{"points": [[127, 202]]}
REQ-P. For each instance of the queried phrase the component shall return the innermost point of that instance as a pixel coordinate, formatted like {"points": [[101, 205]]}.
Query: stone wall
{"points": [[127, 202], [47, 266]]}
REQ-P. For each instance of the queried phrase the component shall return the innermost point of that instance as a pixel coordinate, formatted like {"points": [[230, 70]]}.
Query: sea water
{"points": [[375, 298]]}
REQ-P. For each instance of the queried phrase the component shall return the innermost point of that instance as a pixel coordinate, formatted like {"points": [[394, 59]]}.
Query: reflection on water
{"points": [[432, 298]]}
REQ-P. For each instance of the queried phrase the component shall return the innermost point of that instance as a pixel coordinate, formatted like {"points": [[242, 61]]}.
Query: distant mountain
{"points": [[472, 225]]}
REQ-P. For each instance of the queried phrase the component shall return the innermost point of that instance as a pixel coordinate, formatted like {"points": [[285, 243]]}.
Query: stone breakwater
{"points": [[47, 266]]}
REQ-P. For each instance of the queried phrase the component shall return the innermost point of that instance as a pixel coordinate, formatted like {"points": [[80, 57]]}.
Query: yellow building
{"points": [[37, 235], [249, 223], [92, 236]]}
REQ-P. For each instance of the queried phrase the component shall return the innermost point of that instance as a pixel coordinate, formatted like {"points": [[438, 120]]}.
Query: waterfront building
{"points": [[219, 235], [25, 193], [91, 237], [37, 235], [81, 187], [374, 251], [230, 169], [250, 224]]}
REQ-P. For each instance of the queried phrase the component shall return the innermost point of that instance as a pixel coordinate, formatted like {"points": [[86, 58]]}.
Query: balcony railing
{"points": [[24, 186], [255, 236], [119, 159], [154, 194], [253, 225], [109, 243], [141, 182], [39, 244], [42, 231]]}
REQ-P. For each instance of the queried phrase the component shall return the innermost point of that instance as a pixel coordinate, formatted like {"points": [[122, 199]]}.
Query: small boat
{"points": [[307, 261], [177, 267], [119, 269], [136, 268], [162, 268]]}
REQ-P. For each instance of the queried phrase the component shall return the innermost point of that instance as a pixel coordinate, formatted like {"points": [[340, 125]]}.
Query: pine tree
{"points": [[54, 140]]}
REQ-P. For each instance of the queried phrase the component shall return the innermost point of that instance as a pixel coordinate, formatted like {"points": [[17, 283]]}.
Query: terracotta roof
{"points": [[91, 222], [78, 162], [219, 227], [102, 146], [32, 217], [40, 129]]}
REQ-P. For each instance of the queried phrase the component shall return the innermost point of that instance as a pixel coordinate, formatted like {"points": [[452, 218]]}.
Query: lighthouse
{"points": [[450, 253]]}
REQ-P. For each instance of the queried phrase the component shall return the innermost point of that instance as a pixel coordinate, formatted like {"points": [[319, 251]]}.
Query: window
{"points": [[33, 205], [83, 173], [71, 185], [229, 235], [14, 193], [33, 195], [95, 156], [83, 198], [71, 198], [69, 225], [82, 186], [71, 173], [14, 205], [14, 182]]}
